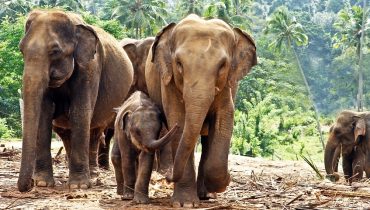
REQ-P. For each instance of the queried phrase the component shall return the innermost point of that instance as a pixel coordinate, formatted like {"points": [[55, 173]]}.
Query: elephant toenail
{"points": [[84, 186], [41, 184], [73, 186], [188, 205], [176, 204]]}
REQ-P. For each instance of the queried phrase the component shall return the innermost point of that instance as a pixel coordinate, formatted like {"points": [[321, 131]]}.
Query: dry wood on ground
{"points": [[256, 184]]}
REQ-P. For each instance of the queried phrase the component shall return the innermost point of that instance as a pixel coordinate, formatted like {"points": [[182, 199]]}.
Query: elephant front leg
{"points": [[201, 188], [347, 167], [216, 175], [143, 177], [43, 175], [128, 161], [185, 191], [358, 165], [79, 172]]}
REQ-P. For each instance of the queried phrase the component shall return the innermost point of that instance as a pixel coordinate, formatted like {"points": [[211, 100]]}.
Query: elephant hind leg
{"points": [[117, 164], [103, 153]]}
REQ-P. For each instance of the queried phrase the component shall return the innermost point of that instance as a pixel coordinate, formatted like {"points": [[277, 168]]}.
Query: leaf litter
{"points": [[256, 184]]}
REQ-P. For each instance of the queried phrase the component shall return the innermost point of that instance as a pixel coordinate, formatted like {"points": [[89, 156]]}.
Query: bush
{"points": [[5, 132]]}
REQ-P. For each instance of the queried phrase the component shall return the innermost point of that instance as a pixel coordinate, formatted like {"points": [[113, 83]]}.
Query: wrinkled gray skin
{"points": [[192, 73], [349, 137], [137, 51], [137, 128], [74, 75]]}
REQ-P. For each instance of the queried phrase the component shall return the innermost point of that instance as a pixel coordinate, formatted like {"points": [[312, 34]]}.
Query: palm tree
{"points": [[190, 6], [352, 24], [143, 16], [234, 12], [288, 33]]}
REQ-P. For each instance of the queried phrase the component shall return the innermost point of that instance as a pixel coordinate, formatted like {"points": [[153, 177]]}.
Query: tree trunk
{"points": [[360, 95], [310, 97]]}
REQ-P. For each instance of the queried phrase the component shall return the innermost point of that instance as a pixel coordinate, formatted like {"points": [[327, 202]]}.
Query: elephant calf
{"points": [[137, 126], [348, 137]]}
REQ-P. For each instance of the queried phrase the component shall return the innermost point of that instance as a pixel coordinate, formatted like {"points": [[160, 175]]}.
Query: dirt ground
{"points": [[256, 184]]}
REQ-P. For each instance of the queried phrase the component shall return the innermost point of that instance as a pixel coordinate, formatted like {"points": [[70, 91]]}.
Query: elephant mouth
{"points": [[56, 82]]}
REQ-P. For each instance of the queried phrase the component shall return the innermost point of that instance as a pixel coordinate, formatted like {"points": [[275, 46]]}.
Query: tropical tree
{"points": [[186, 7], [288, 33], [234, 12], [352, 24], [145, 17]]}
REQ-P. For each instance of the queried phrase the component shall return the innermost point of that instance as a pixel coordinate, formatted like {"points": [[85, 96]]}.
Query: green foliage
{"points": [[111, 26], [11, 66], [5, 131]]}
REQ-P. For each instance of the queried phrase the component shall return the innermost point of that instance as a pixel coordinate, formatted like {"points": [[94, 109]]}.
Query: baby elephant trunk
{"points": [[156, 144]]}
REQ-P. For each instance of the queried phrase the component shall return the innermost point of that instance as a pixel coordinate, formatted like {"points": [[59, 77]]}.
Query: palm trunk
{"points": [[310, 97], [360, 95]]}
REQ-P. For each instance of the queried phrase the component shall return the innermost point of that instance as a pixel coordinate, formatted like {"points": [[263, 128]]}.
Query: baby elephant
{"points": [[137, 127], [349, 138]]}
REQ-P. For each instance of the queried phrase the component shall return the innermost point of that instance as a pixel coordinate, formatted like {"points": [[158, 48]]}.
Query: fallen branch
{"points": [[294, 199], [344, 193]]}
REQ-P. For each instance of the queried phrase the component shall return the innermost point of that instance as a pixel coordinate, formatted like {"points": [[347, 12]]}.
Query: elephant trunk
{"points": [[156, 144], [34, 87], [330, 150], [196, 109]]}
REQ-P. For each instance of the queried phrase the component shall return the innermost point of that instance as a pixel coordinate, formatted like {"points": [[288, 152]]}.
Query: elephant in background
{"points": [[134, 145], [192, 73], [137, 51], [349, 138], [74, 75]]}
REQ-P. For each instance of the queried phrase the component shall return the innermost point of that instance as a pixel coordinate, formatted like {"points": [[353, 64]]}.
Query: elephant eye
{"points": [[54, 52], [179, 66]]}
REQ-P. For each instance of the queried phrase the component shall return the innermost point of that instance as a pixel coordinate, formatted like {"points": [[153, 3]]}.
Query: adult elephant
{"points": [[192, 72], [349, 138], [137, 51], [74, 75]]}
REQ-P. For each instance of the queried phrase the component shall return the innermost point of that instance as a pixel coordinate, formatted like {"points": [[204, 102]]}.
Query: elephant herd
{"points": [[157, 96]]}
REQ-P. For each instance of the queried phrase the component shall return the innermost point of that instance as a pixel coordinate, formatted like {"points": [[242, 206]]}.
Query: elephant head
{"points": [[54, 46], [143, 135], [348, 131], [137, 51], [200, 59]]}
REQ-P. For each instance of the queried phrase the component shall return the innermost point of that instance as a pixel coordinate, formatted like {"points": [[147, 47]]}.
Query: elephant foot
{"points": [[141, 198], [203, 194], [25, 185], [94, 171], [103, 162], [127, 196], [119, 189], [216, 184], [185, 197], [43, 179], [81, 181]]}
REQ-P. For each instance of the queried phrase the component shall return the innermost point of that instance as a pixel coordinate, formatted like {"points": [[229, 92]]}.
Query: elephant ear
{"points": [[359, 129], [161, 53], [244, 56], [87, 41], [130, 49]]}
